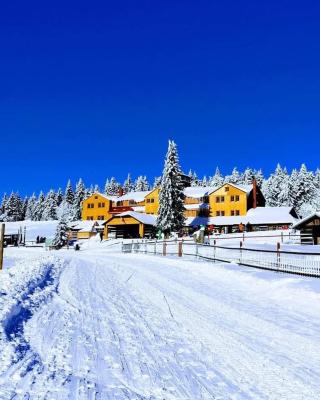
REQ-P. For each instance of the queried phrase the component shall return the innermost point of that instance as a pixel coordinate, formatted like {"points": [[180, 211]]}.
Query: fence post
{"points": [[214, 250], [164, 249], [240, 259], [243, 237], [278, 255], [155, 246], [1, 245], [281, 237], [180, 248], [197, 250]]}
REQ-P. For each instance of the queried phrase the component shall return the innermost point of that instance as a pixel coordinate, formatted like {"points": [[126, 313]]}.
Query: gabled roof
{"points": [[244, 188], [135, 196], [110, 198], [146, 219], [196, 206], [306, 219], [85, 226], [196, 192]]}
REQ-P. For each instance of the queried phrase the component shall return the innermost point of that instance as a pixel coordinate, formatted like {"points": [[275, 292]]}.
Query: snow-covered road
{"points": [[103, 325]]}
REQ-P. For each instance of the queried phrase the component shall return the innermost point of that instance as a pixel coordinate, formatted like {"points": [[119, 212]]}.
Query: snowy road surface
{"points": [[102, 325]]}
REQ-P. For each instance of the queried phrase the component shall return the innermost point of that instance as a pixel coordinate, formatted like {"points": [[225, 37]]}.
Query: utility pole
{"points": [[1, 245]]}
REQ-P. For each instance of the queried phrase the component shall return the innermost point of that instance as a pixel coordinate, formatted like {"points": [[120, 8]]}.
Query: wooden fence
{"points": [[296, 262]]}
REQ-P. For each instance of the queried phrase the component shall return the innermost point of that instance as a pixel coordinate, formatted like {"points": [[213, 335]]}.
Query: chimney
{"points": [[254, 191], [120, 192]]}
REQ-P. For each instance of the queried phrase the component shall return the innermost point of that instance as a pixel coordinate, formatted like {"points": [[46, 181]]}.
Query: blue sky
{"points": [[96, 89]]}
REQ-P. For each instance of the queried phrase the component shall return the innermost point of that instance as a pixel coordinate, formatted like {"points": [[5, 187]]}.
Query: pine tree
{"points": [[79, 196], [59, 197], [276, 189], [14, 208], [112, 188], [128, 185], [39, 207], [234, 177], [171, 208], [61, 234], [50, 207], [156, 182], [141, 184], [30, 211], [247, 176], [217, 179], [3, 204], [69, 195]]}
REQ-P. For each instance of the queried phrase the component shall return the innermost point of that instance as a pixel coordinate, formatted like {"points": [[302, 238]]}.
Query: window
{"points": [[100, 217], [131, 202], [237, 198], [101, 205], [152, 200], [148, 200], [218, 213], [96, 197], [237, 212], [222, 199], [222, 213], [226, 189], [90, 205], [232, 198], [217, 199], [232, 213], [89, 218]]}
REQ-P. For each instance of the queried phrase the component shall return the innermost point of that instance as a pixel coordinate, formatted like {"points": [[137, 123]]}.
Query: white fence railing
{"points": [[303, 263]]}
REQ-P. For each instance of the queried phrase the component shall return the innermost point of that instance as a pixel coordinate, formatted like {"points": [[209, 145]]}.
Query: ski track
{"points": [[116, 326]]}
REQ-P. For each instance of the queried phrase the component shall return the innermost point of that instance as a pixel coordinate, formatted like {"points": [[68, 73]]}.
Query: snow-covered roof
{"points": [[85, 226], [135, 196], [255, 216], [146, 219], [111, 198], [307, 218], [196, 206], [271, 215], [244, 188], [196, 192], [138, 208]]}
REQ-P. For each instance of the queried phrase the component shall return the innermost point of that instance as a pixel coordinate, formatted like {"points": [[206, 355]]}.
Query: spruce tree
{"points": [[39, 207], [59, 197], [61, 234], [141, 184], [50, 207], [128, 185], [156, 182], [171, 208], [79, 196], [30, 211], [217, 179], [112, 187], [69, 195]]}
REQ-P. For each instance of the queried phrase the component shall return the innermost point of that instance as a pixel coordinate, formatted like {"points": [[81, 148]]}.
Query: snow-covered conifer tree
{"points": [[171, 208], [50, 207], [39, 207], [61, 234], [30, 211], [112, 188], [217, 179], [141, 184], [69, 195], [156, 182], [79, 196], [128, 185]]}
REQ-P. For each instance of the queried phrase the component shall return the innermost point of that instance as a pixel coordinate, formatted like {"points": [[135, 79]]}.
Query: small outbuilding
{"points": [[309, 228], [130, 224]]}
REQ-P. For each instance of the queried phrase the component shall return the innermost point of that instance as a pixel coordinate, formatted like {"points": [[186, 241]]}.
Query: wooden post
{"points": [[164, 252], [1, 245], [278, 255], [240, 260], [180, 248]]}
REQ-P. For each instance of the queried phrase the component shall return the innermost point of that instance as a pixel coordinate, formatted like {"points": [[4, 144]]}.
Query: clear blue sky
{"points": [[95, 89]]}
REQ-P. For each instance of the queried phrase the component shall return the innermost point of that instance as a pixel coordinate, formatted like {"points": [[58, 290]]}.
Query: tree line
{"points": [[300, 188]]}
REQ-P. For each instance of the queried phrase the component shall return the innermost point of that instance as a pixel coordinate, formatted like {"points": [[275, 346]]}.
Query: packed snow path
{"points": [[111, 326]]}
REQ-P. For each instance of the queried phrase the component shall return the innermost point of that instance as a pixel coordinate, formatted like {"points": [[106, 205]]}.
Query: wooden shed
{"points": [[309, 228], [130, 224]]}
